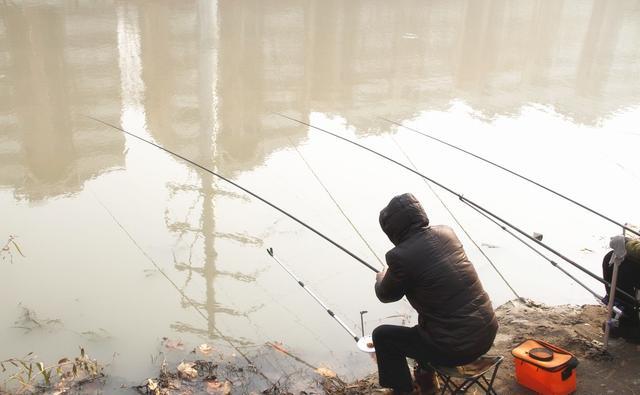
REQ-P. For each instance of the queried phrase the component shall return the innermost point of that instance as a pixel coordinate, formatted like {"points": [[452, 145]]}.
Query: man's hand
{"points": [[388, 287]]}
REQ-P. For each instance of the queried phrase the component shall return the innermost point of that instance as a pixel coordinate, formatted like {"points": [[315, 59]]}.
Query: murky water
{"points": [[126, 244]]}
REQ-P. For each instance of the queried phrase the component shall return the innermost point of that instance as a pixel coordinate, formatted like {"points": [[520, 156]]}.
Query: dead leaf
{"points": [[218, 387], [205, 349], [18, 248], [278, 346], [174, 344], [326, 372], [186, 370], [174, 384], [152, 385], [60, 388]]}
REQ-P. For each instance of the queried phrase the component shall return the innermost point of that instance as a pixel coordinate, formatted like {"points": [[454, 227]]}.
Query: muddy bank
{"points": [[575, 328]]}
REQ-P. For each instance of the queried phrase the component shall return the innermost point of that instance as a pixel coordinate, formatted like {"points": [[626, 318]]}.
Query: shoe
{"points": [[425, 381]]}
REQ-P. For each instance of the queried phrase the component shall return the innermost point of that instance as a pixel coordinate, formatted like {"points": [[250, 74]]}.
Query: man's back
{"points": [[429, 266]]}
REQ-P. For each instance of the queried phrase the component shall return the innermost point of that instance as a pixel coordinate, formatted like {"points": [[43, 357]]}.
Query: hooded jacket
{"points": [[430, 267]]}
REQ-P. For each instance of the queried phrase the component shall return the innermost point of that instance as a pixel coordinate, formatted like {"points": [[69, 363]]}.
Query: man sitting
{"points": [[456, 322]]}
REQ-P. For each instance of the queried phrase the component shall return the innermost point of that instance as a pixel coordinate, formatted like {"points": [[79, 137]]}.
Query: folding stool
{"points": [[468, 375]]}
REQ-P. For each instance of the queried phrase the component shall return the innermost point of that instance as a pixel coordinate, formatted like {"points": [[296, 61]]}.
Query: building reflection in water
{"points": [[203, 78], [55, 67], [181, 105], [355, 59]]}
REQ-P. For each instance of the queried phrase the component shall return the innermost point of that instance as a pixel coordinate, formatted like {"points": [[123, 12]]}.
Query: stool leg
{"points": [[450, 385], [487, 389], [490, 389], [446, 387], [468, 383]]}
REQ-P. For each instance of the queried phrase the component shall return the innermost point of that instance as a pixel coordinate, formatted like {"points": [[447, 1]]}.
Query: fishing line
{"points": [[244, 189], [336, 203], [294, 357], [458, 222], [515, 174], [460, 196], [188, 299], [296, 318]]}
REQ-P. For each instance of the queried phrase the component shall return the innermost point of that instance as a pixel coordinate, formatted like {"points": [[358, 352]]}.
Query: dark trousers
{"points": [[394, 344]]}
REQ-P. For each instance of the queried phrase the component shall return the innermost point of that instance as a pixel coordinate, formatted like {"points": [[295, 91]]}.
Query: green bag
{"points": [[633, 249]]}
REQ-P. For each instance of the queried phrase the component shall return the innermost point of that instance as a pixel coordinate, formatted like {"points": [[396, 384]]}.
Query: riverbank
{"points": [[574, 328]]}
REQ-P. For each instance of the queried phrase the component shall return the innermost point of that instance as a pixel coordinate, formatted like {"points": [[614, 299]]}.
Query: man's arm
{"points": [[390, 283]]}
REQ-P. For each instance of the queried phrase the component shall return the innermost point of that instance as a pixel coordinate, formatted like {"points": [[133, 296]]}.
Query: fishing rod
{"points": [[551, 261], [364, 341], [557, 265], [623, 226], [460, 196], [336, 203], [351, 254], [458, 222]]}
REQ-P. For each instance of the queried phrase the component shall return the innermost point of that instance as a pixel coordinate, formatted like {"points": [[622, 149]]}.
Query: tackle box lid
{"points": [[542, 354]]}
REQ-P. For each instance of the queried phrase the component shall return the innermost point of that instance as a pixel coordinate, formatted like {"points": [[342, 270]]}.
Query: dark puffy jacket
{"points": [[430, 267]]}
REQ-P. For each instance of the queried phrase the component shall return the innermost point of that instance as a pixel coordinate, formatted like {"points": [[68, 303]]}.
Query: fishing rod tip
{"points": [[270, 251]]}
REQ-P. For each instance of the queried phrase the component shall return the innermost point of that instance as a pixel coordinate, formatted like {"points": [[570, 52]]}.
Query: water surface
{"points": [[126, 244]]}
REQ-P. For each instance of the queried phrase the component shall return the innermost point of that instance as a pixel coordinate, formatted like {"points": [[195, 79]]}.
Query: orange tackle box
{"points": [[545, 368]]}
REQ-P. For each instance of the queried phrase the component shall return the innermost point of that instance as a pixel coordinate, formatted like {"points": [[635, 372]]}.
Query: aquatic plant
{"points": [[30, 321], [27, 375], [6, 252]]}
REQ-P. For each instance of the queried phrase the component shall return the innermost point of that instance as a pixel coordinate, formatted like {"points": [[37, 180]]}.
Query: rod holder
{"points": [[362, 313]]}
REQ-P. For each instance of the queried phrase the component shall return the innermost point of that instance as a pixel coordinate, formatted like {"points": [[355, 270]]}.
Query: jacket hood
{"points": [[402, 217]]}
